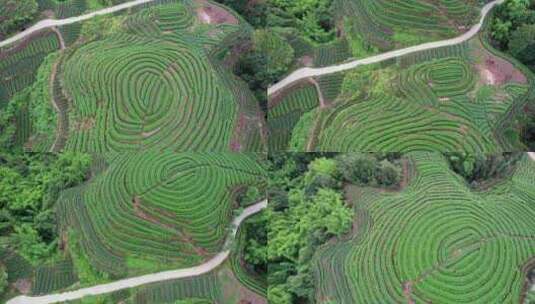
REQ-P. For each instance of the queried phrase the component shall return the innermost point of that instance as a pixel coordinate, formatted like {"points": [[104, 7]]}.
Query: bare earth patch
{"points": [[137, 203], [213, 14], [235, 145], [150, 133], [497, 71], [407, 291], [24, 286], [307, 61], [85, 124]]}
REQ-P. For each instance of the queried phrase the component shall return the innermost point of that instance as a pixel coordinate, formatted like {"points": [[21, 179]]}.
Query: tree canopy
{"points": [[16, 14], [30, 185]]}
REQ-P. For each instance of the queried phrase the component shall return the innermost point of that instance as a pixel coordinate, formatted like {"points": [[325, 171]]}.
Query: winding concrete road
{"points": [[532, 155], [304, 73], [213, 263], [46, 23]]}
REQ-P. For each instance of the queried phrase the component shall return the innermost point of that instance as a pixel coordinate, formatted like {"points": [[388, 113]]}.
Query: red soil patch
{"points": [[463, 129], [213, 14], [136, 200], [497, 71], [24, 286], [85, 124], [307, 61], [235, 145], [407, 291]]}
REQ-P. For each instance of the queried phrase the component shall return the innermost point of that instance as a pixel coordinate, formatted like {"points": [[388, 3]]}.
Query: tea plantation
{"points": [[435, 241]]}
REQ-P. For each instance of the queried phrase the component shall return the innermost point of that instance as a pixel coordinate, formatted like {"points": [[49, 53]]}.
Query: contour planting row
{"points": [[206, 287], [137, 92], [436, 241], [437, 80], [442, 104], [160, 210], [18, 66], [155, 84], [244, 275], [382, 22], [285, 114], [387, 123]]}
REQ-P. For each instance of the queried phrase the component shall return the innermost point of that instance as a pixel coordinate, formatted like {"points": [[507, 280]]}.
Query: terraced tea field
{"points": [[387, 24], [285, 113], [153, 211], [159, 77], [18, 65], [435, 241], [449, 99]]}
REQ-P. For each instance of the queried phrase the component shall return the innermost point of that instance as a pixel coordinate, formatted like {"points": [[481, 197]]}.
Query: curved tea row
{"points": [[158, 210], [437, 241]]}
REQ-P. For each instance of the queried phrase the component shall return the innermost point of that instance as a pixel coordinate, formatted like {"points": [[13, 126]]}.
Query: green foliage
{"points": [[279, 294], [30, 245], [193, 301], [431, 104], [100, 27], [437, 220], [387, 174], [7, 125], [369, 169], [30, 185], [292, 114], [323, 166], [513, 28], [183, 219], [85, 271], [480, 168], [357, 168], [381, 25], [267, 60], [312, 18], [3, 278], [255, 13], [16, 14], [250, 196], [278, 51], [154, 67], [522, 43], [305, 221], [301, 131]]}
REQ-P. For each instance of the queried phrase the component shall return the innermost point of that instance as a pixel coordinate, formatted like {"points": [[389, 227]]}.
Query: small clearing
{"points": [[497, 71], [213, 14], [407, 291]]}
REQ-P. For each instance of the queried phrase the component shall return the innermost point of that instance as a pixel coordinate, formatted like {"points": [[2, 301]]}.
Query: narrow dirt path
{"points": [[51, 84], [314, 72], [310, 142], [60, 37], [321, 98], [323, 105], [54, 103], [43, 24], [212, 264]]}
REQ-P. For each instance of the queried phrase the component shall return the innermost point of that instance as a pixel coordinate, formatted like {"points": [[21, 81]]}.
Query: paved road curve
{"points": [[303, 73], [43, 24], [149, 278]]}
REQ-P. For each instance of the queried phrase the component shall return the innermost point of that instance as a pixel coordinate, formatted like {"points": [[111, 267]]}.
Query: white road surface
{"points": [[43, 24], [149, 278], [307, 72]]}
